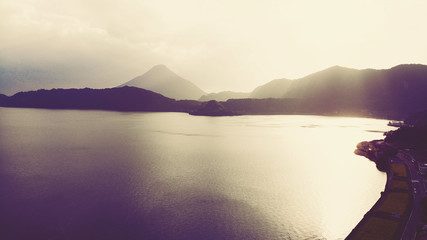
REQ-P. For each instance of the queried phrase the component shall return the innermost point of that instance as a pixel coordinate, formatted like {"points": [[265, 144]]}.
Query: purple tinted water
{"points": [[111, 175]]}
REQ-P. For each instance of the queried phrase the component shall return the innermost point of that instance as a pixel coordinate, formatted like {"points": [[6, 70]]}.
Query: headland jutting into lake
{"points": [[401, 211]]}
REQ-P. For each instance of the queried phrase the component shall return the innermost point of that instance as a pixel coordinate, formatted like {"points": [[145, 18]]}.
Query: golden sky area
{"points": [[219, 45]]}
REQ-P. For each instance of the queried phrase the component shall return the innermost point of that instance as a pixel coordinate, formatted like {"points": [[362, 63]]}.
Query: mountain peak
{"points": [[273, 89], [159, 67], [338, 68], [161, 73], [162, 80]]}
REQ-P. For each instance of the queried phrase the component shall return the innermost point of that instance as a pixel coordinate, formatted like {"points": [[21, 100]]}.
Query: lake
{"points": [[69, 174]]}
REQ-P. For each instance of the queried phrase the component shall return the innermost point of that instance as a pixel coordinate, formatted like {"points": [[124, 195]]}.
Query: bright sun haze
{"points": [[213, 119], [219, 45]]}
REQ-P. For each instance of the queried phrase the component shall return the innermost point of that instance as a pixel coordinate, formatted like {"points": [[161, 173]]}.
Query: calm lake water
{"points": [[80, 175]]}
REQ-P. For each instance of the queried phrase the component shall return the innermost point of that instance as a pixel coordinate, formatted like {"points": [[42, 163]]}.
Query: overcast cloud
{"points": [[218, 45]]}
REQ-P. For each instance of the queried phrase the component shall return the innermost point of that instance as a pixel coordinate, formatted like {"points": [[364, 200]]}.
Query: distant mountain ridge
{"points": [[400, 90], [273, 89], [223, 96], [162, 80], [119, 99], [390, 93], [3, 98], [333, 79]]}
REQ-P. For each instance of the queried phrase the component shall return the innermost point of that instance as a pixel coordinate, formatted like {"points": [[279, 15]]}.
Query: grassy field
{"points": [[399, 184], [394, 202], [399, 169], [376, 228]]}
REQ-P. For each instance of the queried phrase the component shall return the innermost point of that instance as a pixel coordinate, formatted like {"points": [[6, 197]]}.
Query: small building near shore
{"points": [[422, 167]]}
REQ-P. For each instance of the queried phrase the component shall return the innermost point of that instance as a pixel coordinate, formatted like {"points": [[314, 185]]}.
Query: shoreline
{"points": [[388, 217]]}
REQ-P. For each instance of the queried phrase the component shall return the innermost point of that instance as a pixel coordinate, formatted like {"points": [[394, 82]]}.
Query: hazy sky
{"points": [[217, 44]]}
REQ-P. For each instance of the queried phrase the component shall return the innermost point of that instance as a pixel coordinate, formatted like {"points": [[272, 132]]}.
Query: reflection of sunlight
{"points": [[332, 173], [266, 175], [335, 207], [300, 167]]}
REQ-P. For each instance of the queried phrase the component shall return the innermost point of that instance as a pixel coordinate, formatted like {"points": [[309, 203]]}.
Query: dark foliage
{"points": [[121, 99], [394, 93], [408, 137], [212, 108], [419, 119]]}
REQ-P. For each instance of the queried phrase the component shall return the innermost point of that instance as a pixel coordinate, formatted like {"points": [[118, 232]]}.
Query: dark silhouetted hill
{"points": [[392, 93], [223, 96], [412, 135], [121, 99], [213, 108], [408, 137], [419, 119], [162, 80], [274, 89], [3, 99]]}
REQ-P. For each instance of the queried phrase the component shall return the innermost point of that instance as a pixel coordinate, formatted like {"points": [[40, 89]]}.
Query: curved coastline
{"points": [[388, 217]]}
